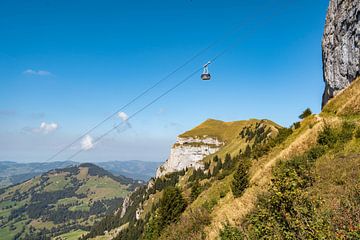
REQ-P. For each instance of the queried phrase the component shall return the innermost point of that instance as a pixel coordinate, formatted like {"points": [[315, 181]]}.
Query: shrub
{"points": [[222, 194], [241, 178], [209, 205], [347, 131], [357, 133], [296, 125], [190, 226], [316, 152], [307, 112], [330, 136], [327, 137], [230, 233]]}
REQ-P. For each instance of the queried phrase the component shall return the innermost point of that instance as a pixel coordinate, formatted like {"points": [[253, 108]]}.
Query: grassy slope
{"points": [[94, 187], [224, 131], [330, 169]]}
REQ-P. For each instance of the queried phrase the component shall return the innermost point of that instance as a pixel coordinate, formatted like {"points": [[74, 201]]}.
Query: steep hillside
{"points": [[230, 140], [301, 182], [67, 200], [212, 136]]}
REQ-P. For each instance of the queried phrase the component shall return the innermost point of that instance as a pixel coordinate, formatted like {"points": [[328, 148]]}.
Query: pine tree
{"points": [[195, 191], [247, 153], [217, 167], [228, 162], [172, 204], [307, 112], [241, 178]]}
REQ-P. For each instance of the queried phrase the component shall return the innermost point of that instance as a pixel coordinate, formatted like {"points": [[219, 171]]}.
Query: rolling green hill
{"points": [[62, 201], [13, 172]]}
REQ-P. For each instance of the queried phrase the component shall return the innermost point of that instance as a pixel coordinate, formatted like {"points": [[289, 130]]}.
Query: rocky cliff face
{"points": [[188, 152], [341, 46]]}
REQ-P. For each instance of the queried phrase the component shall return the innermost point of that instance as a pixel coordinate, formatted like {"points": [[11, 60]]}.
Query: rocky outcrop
{"points": [[127, 202], [341, 46], [188, 152]]}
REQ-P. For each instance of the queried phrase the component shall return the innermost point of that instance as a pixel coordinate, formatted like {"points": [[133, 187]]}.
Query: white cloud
{"points": [[46, 128], [87, 143], [37, 72], [123, 116]]}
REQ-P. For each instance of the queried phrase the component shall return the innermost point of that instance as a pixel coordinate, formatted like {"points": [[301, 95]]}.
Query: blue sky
{"points": [[69, 64]]}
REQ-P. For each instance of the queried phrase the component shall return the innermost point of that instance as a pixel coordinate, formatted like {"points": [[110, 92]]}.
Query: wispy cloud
{"points": [[87, 143], [125, 123], [44, 128], [7, 113], [123, 116], [37, 72], [37, 115]]}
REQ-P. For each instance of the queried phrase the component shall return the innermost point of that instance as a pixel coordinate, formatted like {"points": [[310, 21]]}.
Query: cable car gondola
{"points": [[205, 76]]}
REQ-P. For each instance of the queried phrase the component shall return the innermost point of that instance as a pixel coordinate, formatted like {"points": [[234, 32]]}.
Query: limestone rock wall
{"points": [[188, 152], [341, 46]]}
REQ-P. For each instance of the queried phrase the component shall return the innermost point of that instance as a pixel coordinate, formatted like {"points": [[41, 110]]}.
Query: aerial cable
{"points": [[237, 29], [140, 110], [144, 92], [220, 54]]}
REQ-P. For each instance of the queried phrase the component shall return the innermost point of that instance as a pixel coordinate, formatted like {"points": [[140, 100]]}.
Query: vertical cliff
{"points": [[341, 46], [188, 152]]}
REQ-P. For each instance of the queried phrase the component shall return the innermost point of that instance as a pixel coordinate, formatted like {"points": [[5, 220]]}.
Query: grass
{"points": [[65, 201], [6, 233], [57, 182], [345, 103], [82, 207], [337, 174], [38, 224], [73, 235], [103, 187], [224, 131]]}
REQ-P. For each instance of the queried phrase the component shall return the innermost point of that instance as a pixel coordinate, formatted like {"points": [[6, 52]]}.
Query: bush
{"points": [[296, 125], [327, 137], [230, 233], [330, 136], [241, 178], [316, 152], [222, 194], [209, 205], [347, 132], [357, 133], [307, 112], [190, 226]]}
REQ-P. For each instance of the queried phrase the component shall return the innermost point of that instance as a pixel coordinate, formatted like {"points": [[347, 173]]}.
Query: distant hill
{"points": [[61, 201], [14, 172], [134, 169]]}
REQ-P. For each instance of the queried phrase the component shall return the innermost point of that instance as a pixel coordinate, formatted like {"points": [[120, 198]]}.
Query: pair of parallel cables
{"points": [[168, 76]]}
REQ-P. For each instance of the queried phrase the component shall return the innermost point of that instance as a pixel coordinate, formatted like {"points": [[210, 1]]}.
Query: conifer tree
{"points": [[172, 204], [228, 162], [195, 190], [241, 178]]}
